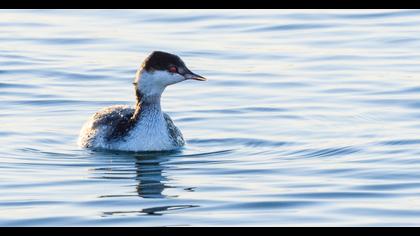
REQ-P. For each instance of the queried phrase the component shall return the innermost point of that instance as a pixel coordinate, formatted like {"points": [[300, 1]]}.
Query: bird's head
{"points": [[159, 70]]}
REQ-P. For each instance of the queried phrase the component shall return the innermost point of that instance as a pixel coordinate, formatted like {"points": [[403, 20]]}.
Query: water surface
{"points": [[309, 118]]}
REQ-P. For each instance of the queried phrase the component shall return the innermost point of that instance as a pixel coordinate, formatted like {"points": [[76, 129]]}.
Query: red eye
{"points": [[173, 69]]}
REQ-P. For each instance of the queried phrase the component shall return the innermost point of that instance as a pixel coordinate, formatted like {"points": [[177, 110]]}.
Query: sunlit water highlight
{"points": [[308, 118]]}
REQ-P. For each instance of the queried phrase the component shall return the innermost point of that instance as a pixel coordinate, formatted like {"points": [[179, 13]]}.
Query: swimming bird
{"points": [[144, 127]]}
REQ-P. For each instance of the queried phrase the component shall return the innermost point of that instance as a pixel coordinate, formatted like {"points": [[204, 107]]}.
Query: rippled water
{"points": [[308, 118]]}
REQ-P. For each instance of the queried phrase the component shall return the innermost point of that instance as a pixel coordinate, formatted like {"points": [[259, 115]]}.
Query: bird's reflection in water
{"points": [[149, 174], [151, 181], [149, 171], [150, 177]]}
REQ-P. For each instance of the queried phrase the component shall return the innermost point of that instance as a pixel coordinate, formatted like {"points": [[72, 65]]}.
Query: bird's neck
{"points": [[147, 105]]}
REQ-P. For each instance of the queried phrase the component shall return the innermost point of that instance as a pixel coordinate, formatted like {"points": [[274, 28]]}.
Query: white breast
{"points": [[150, 134]]}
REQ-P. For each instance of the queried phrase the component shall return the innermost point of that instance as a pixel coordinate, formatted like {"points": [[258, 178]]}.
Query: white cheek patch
{"points": [[154, 83], [150, 83]]}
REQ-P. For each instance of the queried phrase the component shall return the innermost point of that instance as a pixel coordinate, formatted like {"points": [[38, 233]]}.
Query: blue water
{"points": [[308, 118]]}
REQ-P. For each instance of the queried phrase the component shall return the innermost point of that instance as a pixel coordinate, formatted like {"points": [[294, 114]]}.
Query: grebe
{"points": [[145, 127]]}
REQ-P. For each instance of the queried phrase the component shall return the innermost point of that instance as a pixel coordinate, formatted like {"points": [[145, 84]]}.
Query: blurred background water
{"points": [[309, 117]]}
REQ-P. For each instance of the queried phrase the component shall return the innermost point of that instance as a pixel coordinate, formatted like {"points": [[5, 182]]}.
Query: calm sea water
{"points": [[309, 118]]}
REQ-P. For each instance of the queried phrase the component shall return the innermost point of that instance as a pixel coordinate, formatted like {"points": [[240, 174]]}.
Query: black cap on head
{"points": [[158, 60]]}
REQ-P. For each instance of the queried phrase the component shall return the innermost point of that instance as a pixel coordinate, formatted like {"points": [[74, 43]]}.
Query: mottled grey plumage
{"points": [[111, 116], [104, 122], [174, 132]]}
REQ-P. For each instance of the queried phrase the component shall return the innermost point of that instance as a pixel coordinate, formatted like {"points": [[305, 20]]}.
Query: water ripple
{"points": [[289, 27], [239, 141], [326, 152], [401, 142]]}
